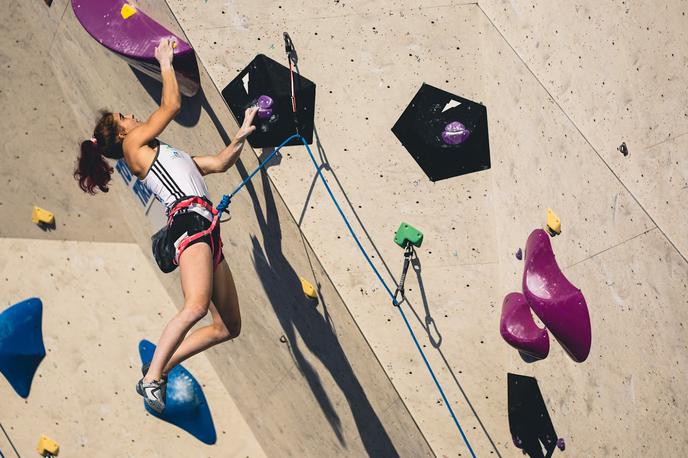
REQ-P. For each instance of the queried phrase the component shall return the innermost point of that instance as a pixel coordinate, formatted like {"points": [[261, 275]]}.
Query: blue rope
{"points": [[225, 202], [227, 198]]}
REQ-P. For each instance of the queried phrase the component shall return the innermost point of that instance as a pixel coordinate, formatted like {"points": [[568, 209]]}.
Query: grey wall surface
{"points": [[82, 395], [318, 391], [564, 84], [42, 135]]}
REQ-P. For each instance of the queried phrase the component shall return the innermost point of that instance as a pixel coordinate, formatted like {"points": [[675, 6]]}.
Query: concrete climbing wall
{"points": [[82, 395], [622, 81], [555, 122], [40, 143], [300, 381]]}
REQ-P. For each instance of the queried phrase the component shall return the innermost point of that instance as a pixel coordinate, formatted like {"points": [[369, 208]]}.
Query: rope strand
{"points": [[365, 254]]}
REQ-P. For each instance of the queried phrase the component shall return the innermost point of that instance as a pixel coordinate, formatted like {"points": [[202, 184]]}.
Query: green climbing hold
{"points": [[408, 234]]}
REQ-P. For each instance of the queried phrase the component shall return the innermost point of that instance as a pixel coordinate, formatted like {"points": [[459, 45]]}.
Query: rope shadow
{"points": [[298, 316], [429, 320], [426, 323], [280, 281]]}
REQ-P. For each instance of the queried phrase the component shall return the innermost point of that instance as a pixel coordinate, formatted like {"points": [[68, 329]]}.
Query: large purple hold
{"points": [[558, 303], [264, 105], [455, 133], [135, 39], [519, 329]]}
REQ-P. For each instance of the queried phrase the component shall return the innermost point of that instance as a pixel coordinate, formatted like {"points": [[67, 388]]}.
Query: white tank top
{"points": [[173, 175]]}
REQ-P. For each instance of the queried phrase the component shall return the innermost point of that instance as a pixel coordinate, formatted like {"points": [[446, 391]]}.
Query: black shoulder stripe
{"points": [[164, 171], [165, 182]]}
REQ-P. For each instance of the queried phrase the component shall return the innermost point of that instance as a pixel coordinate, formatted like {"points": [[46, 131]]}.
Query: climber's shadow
{"points": [[300, 319], [305, 326]]}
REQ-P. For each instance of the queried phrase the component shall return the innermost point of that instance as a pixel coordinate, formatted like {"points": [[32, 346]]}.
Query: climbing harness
{"points": [[167, 252], [188, 205]]}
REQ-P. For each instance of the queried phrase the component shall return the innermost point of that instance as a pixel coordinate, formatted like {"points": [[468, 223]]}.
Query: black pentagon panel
{"points": [[446, 134], [529, 421], [266, 83]]}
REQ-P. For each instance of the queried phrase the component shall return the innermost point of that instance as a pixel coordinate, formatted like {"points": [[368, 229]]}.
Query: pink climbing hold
{"points": [[133, 35], [455, 133], [561, 444], [264, 105], [518, 328], [558, 303]]}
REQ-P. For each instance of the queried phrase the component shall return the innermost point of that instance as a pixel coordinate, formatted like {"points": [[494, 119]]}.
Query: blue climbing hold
{"points": [[21, 344], [186, 406]]}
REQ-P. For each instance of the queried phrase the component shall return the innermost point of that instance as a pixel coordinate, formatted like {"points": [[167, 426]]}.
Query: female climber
{"points": [[193, 230]]}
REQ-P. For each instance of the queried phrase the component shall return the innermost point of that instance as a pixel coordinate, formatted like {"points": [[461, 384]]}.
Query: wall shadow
{"points": [[428, 323], [529, 421], [298, 315], [299, 318], [190, 112]]}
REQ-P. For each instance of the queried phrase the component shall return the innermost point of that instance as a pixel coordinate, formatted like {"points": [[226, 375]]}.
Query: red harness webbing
{"points": [[190, 238]]}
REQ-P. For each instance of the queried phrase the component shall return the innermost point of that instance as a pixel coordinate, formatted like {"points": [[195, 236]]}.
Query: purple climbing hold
{"points": [[264, 113], [264, 101], [127, 31], [519, 254], [264, 105], [517, 441], [518, 328], [561, 444], [558, 303], [455, 133]]}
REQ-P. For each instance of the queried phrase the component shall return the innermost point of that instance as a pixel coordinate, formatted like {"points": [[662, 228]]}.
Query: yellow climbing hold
{"points": [[38, 215], [47, 447], [553, 223], [127, 11], [308, 288]]}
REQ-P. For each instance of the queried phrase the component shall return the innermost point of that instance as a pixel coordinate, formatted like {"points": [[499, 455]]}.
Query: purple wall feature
{"points": [[264, 105], [558, 303], [135, 39], [455, 133], [518, 328]]}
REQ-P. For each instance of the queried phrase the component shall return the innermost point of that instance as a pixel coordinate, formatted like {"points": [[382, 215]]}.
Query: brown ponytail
{"points": [[92, 170]]}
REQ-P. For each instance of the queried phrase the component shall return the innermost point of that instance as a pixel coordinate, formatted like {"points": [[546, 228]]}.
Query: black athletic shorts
{"points": [[186, 223]]}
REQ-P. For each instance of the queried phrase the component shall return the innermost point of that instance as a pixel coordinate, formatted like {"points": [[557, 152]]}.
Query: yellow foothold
{"points": [[38, 215], [308, 289], [127, 11], [553, 223], [47, 447], [174, 45]]}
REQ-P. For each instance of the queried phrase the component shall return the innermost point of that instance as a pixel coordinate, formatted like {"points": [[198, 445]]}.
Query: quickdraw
{"points": [[408, 254]]}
